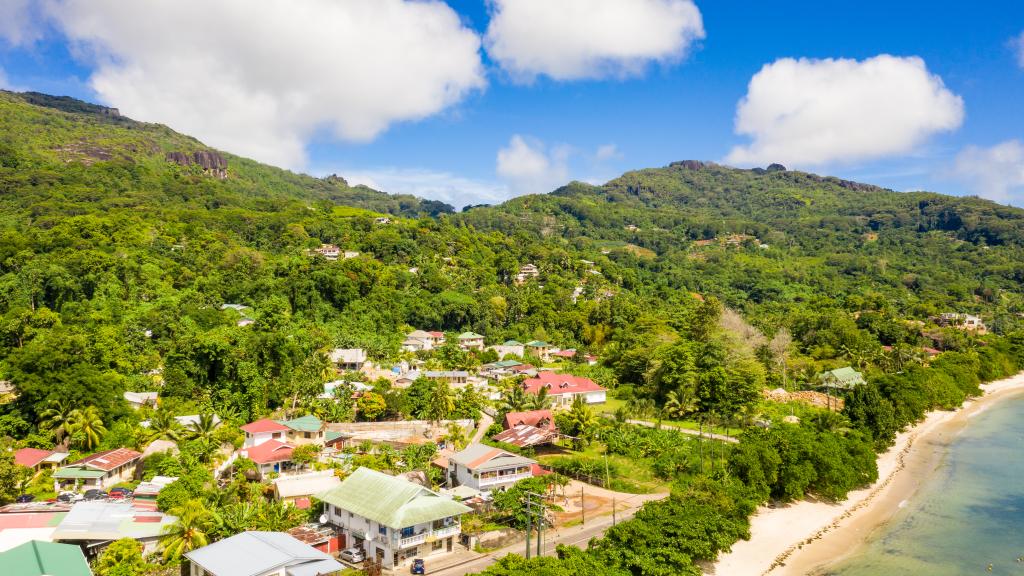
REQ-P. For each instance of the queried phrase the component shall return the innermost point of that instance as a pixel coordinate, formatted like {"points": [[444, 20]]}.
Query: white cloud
{"points": [[573, 39], [1017, 43], [994, 172], [436, 185], [812, 112], [530, 168], [260, 78], [19, 25], [607, 152]]}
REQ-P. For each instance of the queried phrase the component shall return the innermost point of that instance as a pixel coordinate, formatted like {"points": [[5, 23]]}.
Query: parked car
{"points": [[24, 498], [119, 493], [69, 497], [95, 494], [353, 555], [418, 567]]}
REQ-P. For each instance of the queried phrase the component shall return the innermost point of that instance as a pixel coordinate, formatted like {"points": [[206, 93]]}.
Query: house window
{"points": [[307, 435], [436, 545], [382, 530], [407, 532]]}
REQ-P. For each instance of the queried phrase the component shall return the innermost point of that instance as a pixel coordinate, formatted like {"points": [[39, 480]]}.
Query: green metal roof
{"points": [[537, 344], [390, 501], [512, 343], [468, 335], [37, 558], [308, 423], [70, 472], [845, 377], [507, 363]]}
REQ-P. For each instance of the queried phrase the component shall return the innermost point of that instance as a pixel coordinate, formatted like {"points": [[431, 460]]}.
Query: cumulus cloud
{"points": [[19, 23], [812, 112], [456, 190], [607, 152], [573, 39], [260, 79], [994, 173], [1017, 43], [529, 167]]}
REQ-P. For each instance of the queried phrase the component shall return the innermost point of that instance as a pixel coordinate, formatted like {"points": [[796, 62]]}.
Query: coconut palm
{"points": [[581, 423], [539, 401], [191, 531], [163, 426], [58, 416], [89, 423], [679, 403], [513, 399], [456, 436], [440, 401], [204, 427]]}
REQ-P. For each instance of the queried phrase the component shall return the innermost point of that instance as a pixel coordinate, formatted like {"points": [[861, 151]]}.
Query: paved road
{"points": [[577, 536], [485, 422], [691, 432]]}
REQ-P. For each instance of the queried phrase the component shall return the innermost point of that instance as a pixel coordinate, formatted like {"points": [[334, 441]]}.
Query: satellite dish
{"points": [[323, 518]]}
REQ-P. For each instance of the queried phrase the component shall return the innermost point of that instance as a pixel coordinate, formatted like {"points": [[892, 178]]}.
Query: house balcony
{"points": [[414, 540], [448, 531], [429, 536], [504, 479]]}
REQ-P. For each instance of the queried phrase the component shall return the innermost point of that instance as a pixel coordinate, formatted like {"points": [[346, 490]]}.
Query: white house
{"points": [[391, 519], [471, 341], [100, 470], [348, 359], [564, 388], [509, 348], [139, 399], [260, 554], [486, 469]]}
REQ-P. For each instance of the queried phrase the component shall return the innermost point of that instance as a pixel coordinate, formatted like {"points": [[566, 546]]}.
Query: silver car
{"points": [[353, 555]]}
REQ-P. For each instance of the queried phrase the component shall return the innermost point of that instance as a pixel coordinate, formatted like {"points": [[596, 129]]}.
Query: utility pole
{"points": [[530, 512], [583, 507], [613, 510], [607, 476], [529, 528]]}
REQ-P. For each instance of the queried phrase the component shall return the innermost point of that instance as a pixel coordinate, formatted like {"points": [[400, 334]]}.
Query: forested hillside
{"points": [[697, 286]]}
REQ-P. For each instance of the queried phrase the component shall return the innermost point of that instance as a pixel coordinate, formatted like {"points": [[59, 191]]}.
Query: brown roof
{"points": [[109, 459], [524, 435], [538, 418]]}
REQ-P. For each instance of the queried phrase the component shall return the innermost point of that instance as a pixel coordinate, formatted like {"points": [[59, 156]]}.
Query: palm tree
{"points": [[581, 422], [440, 402], [90, 423], [513, 399], [191, 531], [163, 426], [456, 436], [59, 418], [539, 401], [679, 403], [204, 427]]}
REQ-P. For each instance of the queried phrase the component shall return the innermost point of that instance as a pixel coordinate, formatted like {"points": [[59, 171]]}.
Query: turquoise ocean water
{"points": [[968, 515]]}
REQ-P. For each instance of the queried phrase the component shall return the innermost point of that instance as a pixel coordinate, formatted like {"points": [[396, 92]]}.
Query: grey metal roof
{"points": [[484, 457], [256, 553]]}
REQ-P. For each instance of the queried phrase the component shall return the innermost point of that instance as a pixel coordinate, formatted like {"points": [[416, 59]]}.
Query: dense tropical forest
{"points": [[698, 286]]}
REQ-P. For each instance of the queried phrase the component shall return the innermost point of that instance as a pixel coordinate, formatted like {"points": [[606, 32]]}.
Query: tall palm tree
{"points": [[89, 422], [191, 531], [204, 427], [513, 399], [539, 401], [163, 426], [59, 417], [456, 436], [679, 403], [581, 422], [440, 402]]}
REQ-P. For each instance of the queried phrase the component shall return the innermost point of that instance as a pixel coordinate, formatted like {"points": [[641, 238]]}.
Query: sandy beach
{"points": [[805, 537]]}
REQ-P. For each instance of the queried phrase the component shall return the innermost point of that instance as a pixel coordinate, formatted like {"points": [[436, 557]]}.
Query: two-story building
{"points": [[348, 359], [298, 431], [487, 469], [457, 377], [391, 519], [101, 470], [564, 388], [471, 341]]}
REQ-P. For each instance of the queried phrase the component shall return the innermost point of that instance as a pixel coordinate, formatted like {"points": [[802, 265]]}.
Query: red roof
{"points": [[536, 470], [264, 425], [31, 457], [110, 459], [564, 353], [531, 418], [558, 384], [522, 367], [436, 334], [269, 451], [302, 503]]}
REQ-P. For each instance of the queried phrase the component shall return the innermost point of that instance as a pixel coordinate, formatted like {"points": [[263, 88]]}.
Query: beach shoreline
{"points": [[807, 537]]}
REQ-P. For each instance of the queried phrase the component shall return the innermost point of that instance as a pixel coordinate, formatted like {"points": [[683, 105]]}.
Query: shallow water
{"points": [[968, 515]]}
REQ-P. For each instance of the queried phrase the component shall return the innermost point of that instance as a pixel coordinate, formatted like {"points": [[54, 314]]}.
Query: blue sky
{"points": [[472, 101]]}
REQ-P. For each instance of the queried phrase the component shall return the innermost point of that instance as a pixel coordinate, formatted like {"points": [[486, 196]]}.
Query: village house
{"points": [[499, 370], [95, 524], [421, 340], [270, 457], [348, 359], [509, 348], [564, 388], [262, 430], [328, 251], [471, 341], [304, 430], [139, 399], [39, 558], [539, 348], [487, 469], [845, 378], [392, 520], [298, 489], [966, 322], [450, 376], [527, 429], [101, 470], [259, 554], [526, 272], [37, 459]]}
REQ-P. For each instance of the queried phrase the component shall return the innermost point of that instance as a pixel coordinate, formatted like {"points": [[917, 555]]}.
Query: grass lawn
{"points": [[626, 475]]}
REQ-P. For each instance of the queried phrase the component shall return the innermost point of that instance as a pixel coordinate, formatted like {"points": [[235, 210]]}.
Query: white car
{"points": [[353, 555]]}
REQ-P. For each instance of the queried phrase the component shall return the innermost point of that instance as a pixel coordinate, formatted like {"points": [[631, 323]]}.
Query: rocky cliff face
{"points": [[211, 162]]}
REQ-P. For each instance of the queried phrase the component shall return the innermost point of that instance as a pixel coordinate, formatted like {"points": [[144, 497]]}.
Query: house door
{"points": [[450, 539]]}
